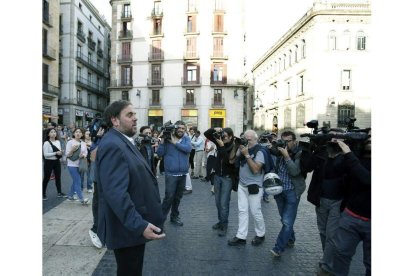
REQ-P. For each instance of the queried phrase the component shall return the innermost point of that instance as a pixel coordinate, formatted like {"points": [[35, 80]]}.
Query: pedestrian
{"points": [[191, 134], [88, 141], [75, 150], [288, 169], [224, 173], [130, 212], [250, 191], [355, 223], [174, 150], [198, 144], [52, 153]]}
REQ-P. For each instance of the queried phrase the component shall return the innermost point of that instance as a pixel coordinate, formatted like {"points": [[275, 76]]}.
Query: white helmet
{"points": [[272, 184]]}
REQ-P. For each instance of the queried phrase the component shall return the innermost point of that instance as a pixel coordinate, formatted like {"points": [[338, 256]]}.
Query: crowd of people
{"points": [[124, 165]]}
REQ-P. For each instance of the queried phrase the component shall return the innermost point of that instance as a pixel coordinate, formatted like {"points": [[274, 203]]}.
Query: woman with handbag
{"points": [[76, 152], [52, 153]]}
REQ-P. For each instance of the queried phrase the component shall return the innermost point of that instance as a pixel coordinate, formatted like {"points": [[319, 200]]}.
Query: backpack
{"points": [[269, 165]]}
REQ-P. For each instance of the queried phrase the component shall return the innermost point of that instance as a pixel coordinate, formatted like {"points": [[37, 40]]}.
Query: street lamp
{"points": [[258, 102]]}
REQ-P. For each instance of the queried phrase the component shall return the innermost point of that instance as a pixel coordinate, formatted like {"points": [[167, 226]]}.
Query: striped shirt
{"points": [[283, 174]]}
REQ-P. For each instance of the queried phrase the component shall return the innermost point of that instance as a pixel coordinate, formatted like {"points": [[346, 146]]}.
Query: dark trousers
{"points": [[174, 188], [192, 153], [95, 204], [49, 166], [211, 160], [156, 160], [162, 166], [130, 260]]}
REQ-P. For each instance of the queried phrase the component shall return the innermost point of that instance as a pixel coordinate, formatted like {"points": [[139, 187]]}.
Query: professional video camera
{"points": [[240, 141], [265, 138], [167, 130], [97, 123], [218, 135], [319, 138]]}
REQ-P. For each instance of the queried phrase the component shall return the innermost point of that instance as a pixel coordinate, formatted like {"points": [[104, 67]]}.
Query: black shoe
{"points": [[61, 195], [236, 241], [216, 226], [45, 197], [222, 231], [176, 221], [186, 192], [194, 177], [291, 243], [257, 240]]}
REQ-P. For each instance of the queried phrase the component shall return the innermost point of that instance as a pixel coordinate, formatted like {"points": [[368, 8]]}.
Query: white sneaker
{"points": [[89, 190], [95, 239], [85, 201]]}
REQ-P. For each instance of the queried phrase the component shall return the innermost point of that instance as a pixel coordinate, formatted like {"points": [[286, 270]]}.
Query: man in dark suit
{"points": [[130, 212]]}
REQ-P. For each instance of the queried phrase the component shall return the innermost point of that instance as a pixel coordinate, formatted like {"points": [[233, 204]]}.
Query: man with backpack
{"points": [[288, 169], [250, 190]]}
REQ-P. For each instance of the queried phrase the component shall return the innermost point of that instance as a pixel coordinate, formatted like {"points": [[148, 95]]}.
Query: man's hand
{"points": [[344, 147], [284, 152], [244, 150], [149, 232], [174, 139]]}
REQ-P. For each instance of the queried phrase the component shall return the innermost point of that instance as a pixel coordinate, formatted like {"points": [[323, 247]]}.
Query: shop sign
{"points": [[78, 112], [217, 113], [89, 114], [155, 113], [189, 112]]}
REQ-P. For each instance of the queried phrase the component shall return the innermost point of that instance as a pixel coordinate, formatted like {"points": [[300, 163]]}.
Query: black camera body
{"points": [[167, 130], [95, 126], [265, 138], [218, 135], [241, 141]]}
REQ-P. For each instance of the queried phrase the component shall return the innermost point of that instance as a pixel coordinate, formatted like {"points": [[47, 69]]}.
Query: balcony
{"points": [[81, 36], [122, 59], [217, 103], [91, 44], [222, 82], [189, 102], [90, 85], [49, 52], [157, 56], [47, 19], [126, 16], [190, 83], [219, 55], [156, 33], [155, 82], [90, 64], [99, 52], [155, 104], [191, 55], [51, 89], [156, 13], [125, 34], [121, 83]]}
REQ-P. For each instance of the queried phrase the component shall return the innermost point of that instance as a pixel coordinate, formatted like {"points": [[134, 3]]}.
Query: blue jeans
{"points": [[222, 193], [287, 204], [76, 184], [174, 188], [350, 232], [88, 178]]}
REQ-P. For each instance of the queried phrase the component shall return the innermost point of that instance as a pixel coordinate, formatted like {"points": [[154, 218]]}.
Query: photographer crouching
{"points": [[174, 148], [225, 173]]}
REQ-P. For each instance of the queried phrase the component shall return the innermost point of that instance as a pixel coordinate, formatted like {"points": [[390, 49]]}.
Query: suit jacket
{"points": [[128, 193]]}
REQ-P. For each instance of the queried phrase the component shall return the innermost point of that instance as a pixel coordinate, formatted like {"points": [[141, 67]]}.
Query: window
{"points": [[218, 5], [218, 47], [217, 96], [126, 75], [156, 49], [89, 100], [45, 75], [79, 49], [296, 53], [280, 65], [80, 27], [99, 44], [126, 50], [346, 39], [89, 57], [345, 111], [156, 74], [218, 22], [300, 86], [45, 11], [284, 61], [78, 73], [191, 47], [89, 79], [219, 73], [127, 10], [44, 37], [288, 117], [157, 26], [191, 5], [100, 103], [125, 95], [191, 72], [80, 6], [303, 48], [290, 57], [346, 79], [78, 97], [90, 17], [191, 24], [361, 40], [189, 96], [99, 83], [155, 97], [332, 40], [157, 8], [300, 115], [288, 89]]}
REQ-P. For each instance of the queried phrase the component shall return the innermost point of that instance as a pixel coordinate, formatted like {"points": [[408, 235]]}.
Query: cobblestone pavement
{"points": [[196, 249]]}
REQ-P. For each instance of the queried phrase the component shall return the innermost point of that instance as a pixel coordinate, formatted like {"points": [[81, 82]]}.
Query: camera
{"points": [[218, 135], [167, 130], [241, 141], [265, 138], [96, 125]]}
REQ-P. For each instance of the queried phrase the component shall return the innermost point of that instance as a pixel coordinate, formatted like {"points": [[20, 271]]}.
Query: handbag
{"points": [[75, 155], [55, 149], [83, 165]]}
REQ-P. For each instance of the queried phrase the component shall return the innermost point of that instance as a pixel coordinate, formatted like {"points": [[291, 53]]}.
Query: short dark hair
{"points": [[114, 110], [179, 122], [289, 133], [143, 128], [198, 132]]}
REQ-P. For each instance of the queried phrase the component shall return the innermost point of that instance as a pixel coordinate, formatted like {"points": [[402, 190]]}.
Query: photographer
{"points": [[355, 222], [224, 173], [145, 147], [326, 191], [288, 169], [174, 149], [198, 144], [250, 190]]}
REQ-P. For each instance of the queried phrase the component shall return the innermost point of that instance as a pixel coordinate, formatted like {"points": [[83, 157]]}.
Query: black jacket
{"points": [[143, 150]]}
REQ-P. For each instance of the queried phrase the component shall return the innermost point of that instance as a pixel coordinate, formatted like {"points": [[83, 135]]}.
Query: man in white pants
{"points": [[250, 190], [198, 144]]}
